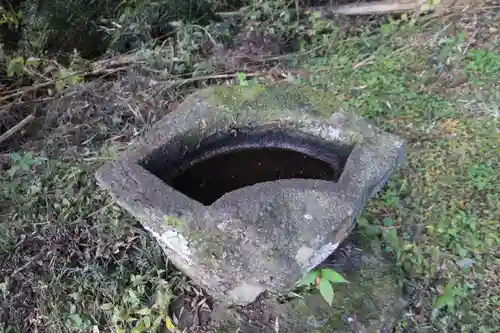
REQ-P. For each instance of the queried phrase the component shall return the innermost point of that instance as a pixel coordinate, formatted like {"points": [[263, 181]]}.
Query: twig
{"points": [[22, 91], [16, 128], [29, 263], [115, 62], [32, 101], [226, 15], [182, 82], [206, 32], [19, 92]]}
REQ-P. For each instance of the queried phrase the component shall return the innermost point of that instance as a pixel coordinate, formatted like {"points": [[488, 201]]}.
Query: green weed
{"points": [[323, 280], [88, 264]]}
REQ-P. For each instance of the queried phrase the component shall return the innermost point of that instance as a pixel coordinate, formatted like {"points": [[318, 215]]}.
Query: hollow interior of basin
{"points": [[209, 179], [229, 162]]}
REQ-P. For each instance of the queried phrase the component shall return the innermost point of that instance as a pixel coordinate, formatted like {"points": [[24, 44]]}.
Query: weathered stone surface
{"points": [[264, 236], [371, 303]]}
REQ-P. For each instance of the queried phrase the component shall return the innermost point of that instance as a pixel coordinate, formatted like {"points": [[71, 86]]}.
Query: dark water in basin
{"points": [[209, 179], [225, 162]]}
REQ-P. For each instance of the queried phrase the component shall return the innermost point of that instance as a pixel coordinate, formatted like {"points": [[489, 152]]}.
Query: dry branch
{"points": [[379, 7], [371, 8], [181, 82], [8, 95], [16, 128]]}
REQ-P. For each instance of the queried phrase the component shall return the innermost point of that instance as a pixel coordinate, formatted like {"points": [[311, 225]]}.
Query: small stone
{"points": [[465, 263]]}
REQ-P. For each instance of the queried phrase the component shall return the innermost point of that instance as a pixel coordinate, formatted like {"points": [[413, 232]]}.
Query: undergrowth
{"points": [[439, 214]]}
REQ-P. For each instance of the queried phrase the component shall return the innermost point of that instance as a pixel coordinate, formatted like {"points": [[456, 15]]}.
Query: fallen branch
{"points": [[120, 61], [373, 8], [21, 91], [379, 7], [368, 8], [178, 83], [32, 260], [16, 128]]}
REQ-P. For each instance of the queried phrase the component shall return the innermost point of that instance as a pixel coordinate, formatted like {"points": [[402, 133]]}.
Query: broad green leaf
{"points": [[332, 276], [140, 325], [15, 157], [391, 237], [60, 85], [316, 14], [309, 278], [144, 311], [157, 322], [73, 79], [107, 306], [147, 321], [168, 323], [33, 61], [443, 301], [4, 288], [448, 289], [15, 66], [132, 297], [77, 320], [448, 297], [326, 290], [12, 171], [240, 76], [24, 166]]}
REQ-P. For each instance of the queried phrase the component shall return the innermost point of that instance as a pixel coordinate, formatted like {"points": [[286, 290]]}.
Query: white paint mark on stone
{"points": [[176, 242], [308, 217], [222, 226], [319, 256]]}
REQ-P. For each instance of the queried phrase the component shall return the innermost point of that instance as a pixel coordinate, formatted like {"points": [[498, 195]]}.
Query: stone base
{"points": [[262, 233], [371, 303]]}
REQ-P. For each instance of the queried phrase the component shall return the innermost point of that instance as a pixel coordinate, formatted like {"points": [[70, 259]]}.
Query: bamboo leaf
{"points": [[326, 290], [332, 276], [309, 278]]}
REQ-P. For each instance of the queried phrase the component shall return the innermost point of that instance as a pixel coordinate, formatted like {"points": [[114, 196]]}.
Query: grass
{"points": [[72, 261], [439, 215]]}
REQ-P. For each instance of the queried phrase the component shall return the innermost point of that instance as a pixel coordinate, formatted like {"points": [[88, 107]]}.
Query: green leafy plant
{"points": [[242, 79], [131, 314], [483, 176], [35, 68], [448, 297], [22, 162], [11, 18], [322, 280]]}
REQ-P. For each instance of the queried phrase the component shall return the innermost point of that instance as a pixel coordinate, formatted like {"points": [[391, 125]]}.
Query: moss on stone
{"points": [[175, 223], [211, 247], [273, 99], [195, 236]]}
